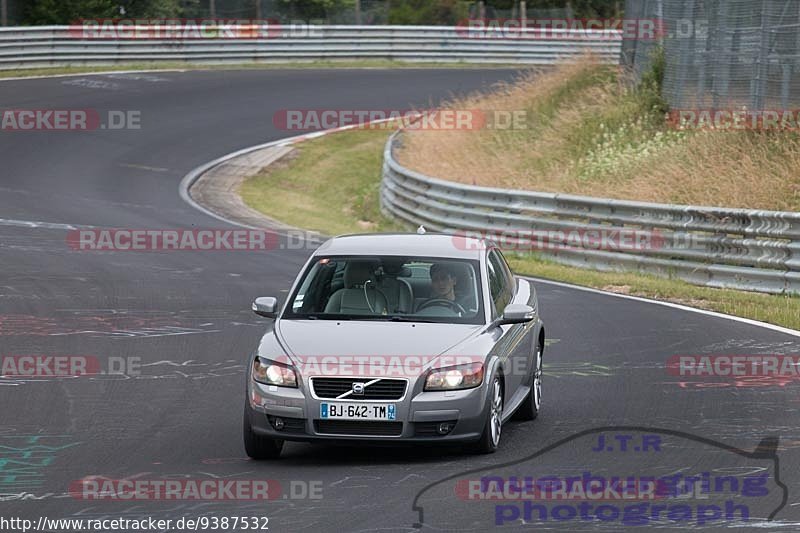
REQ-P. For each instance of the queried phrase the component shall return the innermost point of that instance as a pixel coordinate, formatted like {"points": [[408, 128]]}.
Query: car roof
{"points": [[405, 244]]}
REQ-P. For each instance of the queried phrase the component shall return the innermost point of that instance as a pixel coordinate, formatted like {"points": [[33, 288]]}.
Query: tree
{"points": [[426, 12], [581, 8], [312, 9], [151, 8], [66, 11]]}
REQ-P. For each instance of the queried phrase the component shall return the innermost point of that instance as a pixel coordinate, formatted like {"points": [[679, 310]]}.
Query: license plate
{"points": [[357, 411]]}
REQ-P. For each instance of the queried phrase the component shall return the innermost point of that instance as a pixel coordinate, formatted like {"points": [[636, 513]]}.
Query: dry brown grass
{"points": [[754, 170], [587, 134]]}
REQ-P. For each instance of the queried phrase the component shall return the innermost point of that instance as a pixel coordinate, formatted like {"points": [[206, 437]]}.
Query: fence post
{"points": [[685, 58], [786, 83], [721, 82], [760, 81]]}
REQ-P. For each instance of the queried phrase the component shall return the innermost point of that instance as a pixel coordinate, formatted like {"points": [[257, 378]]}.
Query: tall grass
{"points": [[588, 132]]}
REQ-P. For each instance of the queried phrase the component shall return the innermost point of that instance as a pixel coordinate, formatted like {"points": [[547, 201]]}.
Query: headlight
{"points": [[273, 373], [455, 377]]}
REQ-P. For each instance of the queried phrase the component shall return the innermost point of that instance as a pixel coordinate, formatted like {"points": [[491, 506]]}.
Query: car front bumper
{"points": [[418, 415]]}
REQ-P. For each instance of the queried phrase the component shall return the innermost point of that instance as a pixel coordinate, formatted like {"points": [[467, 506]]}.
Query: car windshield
{"points": [[389, 288]]}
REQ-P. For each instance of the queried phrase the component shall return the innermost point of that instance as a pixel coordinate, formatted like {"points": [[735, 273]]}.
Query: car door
{"points": [[513, 345]]}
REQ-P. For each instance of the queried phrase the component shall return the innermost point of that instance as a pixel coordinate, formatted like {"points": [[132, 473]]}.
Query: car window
{"points": [[501, 283], [512, 283], [424, 289]]}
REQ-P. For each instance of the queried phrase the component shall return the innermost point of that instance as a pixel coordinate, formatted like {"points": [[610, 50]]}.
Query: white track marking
{"points": [[680, 307], [38, 224], [104, 73]]}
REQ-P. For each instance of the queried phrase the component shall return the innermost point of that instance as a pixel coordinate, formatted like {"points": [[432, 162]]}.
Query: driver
{"points": [[443, 287], [443, 282]]}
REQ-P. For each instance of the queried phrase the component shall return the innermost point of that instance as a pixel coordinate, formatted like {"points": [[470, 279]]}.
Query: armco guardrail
{"points": [[51, 46], [717, 247]]}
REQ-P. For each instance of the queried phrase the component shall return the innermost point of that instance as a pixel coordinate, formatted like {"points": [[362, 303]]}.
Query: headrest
{"points": [[396, 269], [356, 273]]}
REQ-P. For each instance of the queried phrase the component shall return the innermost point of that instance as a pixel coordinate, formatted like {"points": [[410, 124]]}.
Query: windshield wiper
{"points": [[371, 318], [396, 318]]}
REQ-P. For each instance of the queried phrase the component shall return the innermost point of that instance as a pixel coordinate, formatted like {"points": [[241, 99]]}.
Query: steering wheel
{"points": [[439, 301]]}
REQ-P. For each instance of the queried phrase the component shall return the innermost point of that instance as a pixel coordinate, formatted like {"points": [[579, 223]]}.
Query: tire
{"points": [[532, 404], [490, 439], [256, 446]]}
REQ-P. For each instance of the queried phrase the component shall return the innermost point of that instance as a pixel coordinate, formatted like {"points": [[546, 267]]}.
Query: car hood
{"points": [[344, 339]]}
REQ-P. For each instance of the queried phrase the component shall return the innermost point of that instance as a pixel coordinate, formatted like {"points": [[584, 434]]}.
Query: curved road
{"points": [[186, 316]]}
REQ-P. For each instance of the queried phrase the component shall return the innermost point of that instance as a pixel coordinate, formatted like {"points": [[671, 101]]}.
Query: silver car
{"points": [[398, 337]]}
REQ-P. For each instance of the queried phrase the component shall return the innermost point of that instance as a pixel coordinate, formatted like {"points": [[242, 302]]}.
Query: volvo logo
{"points": [[358, 388]]}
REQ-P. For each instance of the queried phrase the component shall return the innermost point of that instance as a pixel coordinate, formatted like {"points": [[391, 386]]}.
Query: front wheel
{"points": [[530, 407], [490, 439], [256, 446]]}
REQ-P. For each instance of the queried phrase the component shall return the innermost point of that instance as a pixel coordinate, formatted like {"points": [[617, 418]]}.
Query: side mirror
{"points": [[266, 306], [516, 314]]}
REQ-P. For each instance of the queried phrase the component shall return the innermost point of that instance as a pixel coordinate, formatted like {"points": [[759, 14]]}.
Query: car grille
{"points": [[385, 389], [358, 427]]}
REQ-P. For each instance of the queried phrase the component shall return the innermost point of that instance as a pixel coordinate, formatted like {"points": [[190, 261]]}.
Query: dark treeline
{"points": [[423, 12]]}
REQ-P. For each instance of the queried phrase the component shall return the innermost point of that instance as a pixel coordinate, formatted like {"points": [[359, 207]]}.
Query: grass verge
{"points": [[331, 185], [374, 64]]}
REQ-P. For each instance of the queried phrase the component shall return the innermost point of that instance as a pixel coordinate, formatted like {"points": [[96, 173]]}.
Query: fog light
{"points": [[444, 428], [278, 423]]}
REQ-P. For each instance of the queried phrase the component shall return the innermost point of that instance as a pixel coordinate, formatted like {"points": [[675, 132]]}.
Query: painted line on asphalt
{"points": [[35, 224], [680, 307], [103, 73]]}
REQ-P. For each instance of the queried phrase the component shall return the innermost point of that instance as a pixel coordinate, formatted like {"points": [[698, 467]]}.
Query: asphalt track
{"points": [[185, 314]]}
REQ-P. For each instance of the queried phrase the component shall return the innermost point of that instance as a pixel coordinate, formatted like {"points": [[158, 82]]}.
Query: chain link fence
{"points": [[722, 53]]}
